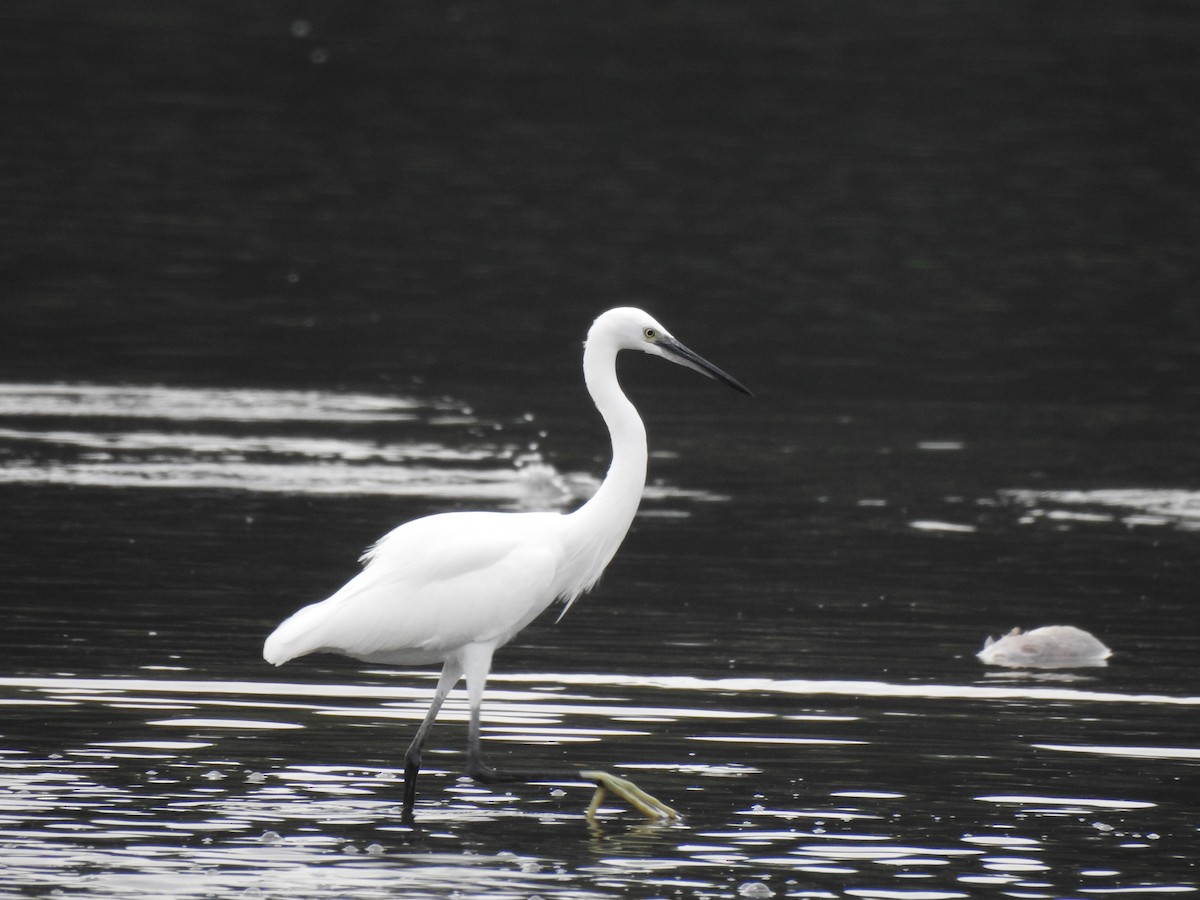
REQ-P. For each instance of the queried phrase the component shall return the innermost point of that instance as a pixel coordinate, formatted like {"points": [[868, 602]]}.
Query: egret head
{"points": [[633, 329]]}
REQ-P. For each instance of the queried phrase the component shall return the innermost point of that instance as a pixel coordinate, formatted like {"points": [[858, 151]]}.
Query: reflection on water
{"points": [[928, 778], [225, 802], [194, 404], [452, 455], [848, 747], [1129, 506]]}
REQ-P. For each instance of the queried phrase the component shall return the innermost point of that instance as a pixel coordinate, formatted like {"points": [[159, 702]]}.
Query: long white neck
{"points": [[618, 497], [598, 527]]}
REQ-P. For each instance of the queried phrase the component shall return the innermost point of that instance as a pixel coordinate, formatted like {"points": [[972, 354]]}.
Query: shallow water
{"points": [[821, 723], [276, 281], [813, 788]]}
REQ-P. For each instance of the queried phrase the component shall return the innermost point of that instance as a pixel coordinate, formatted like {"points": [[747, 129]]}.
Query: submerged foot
{"points": [[477, 771]]}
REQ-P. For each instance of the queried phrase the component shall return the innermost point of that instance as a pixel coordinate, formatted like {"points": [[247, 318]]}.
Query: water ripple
{"points": [[1130, 506], [128, 812], [206, 404], [447, 452]]}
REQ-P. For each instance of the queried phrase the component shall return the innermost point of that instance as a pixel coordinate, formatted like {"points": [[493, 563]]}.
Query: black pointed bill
{"points": [[677, 353]]}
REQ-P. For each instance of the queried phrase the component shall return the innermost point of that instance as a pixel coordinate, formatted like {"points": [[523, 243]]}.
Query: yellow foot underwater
{"points": [[651, 807]]}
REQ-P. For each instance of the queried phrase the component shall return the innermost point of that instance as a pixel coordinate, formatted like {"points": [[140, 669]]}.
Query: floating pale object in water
{"points": [[650, 806], [1049, 647]]}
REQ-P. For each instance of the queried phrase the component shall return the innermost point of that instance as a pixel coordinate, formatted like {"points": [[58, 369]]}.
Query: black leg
{"points": [[451, 672], [412, 765]]}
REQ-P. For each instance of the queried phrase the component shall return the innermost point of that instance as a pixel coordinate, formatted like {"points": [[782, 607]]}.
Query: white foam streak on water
{"points": [[1150, 506], [231, 447], [1093, 802], [855, 688], [109, 455], [501, 485], [538, 486], [1131, 752], [724, 686], [202, 404]]}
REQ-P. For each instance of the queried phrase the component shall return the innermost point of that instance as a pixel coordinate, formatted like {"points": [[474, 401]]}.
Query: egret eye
{"points": [[650, 334]]}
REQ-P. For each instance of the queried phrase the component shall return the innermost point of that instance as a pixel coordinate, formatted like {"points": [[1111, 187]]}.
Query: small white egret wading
{"points": [[453, 587]]}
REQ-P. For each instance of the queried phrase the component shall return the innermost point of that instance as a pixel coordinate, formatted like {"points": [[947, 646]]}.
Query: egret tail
{"points": [[298, 635]]}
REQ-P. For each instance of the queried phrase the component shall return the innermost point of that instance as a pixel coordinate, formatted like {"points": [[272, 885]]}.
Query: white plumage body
{"points": [[436, 584]]}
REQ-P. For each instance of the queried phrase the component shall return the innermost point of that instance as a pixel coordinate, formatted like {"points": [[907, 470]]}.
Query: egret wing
{"points": [[431, 586]]}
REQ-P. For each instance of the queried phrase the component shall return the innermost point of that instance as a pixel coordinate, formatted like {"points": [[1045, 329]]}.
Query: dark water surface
{"points": [[279, 276]]}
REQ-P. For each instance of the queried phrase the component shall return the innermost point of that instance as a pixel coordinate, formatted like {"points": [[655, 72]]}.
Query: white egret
{"points": [[453, 587]]}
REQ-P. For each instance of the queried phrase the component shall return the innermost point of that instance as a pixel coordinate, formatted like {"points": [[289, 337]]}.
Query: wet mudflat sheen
{"points": [[277, 280]]}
